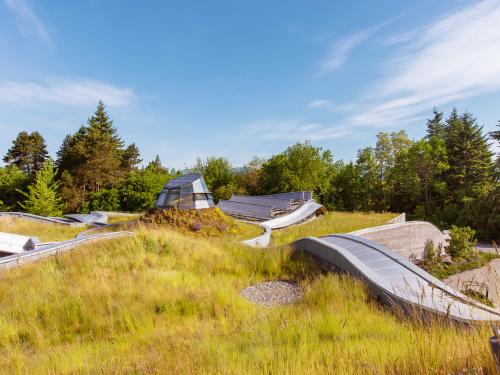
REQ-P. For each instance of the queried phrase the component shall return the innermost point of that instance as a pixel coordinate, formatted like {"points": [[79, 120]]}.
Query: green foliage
{"points": [[431, 253], [301, 167], [42, 197], [444, 270], [427, 160], [104, 200], [469, 156], [218, 175], [448, 177], [139, 189], [347, 192], [12, 180], [94, 158], [435, 126], [217, 172], [247, 181], [478, 297], [28, 152], [462, 242], [131, 158]]}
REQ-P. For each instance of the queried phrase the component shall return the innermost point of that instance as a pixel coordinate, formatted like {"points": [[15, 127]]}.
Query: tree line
{"points": [[448, 177]]}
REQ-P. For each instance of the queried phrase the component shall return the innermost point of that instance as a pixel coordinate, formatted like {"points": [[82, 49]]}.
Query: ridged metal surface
{"points": [[394, 279], [300, 214], [260, 241], [247, 210]]}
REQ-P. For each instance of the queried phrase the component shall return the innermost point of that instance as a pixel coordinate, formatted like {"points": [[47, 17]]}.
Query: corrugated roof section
{"points": [[183, 180]]}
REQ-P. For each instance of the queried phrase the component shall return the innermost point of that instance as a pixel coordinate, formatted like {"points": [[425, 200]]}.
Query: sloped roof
{"points": [[183, 180]]}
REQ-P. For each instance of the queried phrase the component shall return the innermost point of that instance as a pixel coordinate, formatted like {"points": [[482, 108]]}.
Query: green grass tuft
{"points": [[168, 302], [331, 222]]}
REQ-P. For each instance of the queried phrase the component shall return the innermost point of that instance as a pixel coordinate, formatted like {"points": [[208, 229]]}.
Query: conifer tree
{"points": [[435, 126], [496, 137], [156, 166], [131, 158], [496, 134], [94, 158], [469, 156], [42, 197], [28, 152]]}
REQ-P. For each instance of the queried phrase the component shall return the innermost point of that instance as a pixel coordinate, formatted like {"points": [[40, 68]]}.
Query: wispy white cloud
{"points": [[320, 103], [330, 105], [399, 38], [339, 50], [292, 130], [454, 58], [28, 21], [65, 91]]}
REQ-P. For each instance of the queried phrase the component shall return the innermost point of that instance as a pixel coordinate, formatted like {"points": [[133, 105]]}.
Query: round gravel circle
{"points": [[272, 293]]}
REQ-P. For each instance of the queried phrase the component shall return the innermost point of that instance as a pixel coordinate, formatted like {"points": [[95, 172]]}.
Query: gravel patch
{"points": [[272, 293]]}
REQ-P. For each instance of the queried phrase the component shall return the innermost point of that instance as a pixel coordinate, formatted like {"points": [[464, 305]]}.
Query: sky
{"points": [[188, 79]]}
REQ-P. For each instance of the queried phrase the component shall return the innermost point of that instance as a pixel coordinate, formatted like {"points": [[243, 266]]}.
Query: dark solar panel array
{"points": [[280, 204], [264, 207], [183, 180], [294, 195], [246, 209]]}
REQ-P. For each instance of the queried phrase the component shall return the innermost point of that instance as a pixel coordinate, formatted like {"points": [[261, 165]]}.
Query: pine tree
{"points": [[156, 166], [42, 198], [28, 152], [469, 156], [495, 135], [103, 149], [131, 158], [435, 126], [94, 158]]}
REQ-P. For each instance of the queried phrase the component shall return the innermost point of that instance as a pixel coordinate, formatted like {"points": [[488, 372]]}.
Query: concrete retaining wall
{"points": [[398, 219], [407, 238]]}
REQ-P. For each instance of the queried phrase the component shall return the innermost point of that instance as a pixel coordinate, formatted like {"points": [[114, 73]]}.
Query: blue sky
{"points": [[241, 78]]}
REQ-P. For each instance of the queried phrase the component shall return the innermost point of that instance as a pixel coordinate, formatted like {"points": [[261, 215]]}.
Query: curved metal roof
{"points": [[395, 279]]}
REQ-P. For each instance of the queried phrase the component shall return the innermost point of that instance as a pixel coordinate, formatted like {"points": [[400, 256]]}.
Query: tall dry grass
{"points": [[47, 232], [331, 222], [162, 302]]}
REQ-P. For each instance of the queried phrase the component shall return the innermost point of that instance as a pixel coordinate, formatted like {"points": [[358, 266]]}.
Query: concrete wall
{"points": [[398, 219], [407, 239]]}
